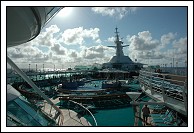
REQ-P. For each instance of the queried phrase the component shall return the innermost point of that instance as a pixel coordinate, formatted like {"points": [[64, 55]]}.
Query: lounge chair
{"points": [[156, 107], [166, 124], [169, 118], [178, 122], [160, 114]]}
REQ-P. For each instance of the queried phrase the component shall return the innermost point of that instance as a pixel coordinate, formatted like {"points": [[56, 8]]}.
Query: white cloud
{"points": [[77, 35], [92, 52], [118, 12], [73, 54], [146, 49], [181, 45], [142, 47], [98, 41], [111, 39], [49, 48], [27, 54], [143, 41], [58, 49], [46, 38], [167, 38]]}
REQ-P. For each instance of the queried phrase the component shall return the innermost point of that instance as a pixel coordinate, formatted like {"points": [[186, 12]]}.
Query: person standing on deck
{"points": [[146, 113]]}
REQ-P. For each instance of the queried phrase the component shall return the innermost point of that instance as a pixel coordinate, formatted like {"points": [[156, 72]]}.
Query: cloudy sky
{"points": [[80, 36]]}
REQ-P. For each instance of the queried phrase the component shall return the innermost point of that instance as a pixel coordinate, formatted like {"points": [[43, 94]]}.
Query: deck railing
{"points": [[87, 110], [168, 85], [58, 114]]}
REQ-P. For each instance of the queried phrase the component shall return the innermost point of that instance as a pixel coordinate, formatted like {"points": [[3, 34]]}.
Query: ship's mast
{"points": [[120, 61], [119, 48]]}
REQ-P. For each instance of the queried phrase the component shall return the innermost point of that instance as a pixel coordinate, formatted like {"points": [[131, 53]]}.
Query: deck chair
{"points": [[166, 124], [169, 118], [156, 107], [160, 114]]}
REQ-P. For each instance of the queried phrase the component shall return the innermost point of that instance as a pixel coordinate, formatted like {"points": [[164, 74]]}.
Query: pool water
{"points": [[93, 85], [119, 117], [114, 117]]}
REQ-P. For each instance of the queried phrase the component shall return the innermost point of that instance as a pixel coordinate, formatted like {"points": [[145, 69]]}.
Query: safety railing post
{"points": [[184, 94], [163, 92]]}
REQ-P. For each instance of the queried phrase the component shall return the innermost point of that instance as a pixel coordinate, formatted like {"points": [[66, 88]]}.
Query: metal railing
{"points": [[58, 112], [168, 85], [15, 120], [83, 107]]}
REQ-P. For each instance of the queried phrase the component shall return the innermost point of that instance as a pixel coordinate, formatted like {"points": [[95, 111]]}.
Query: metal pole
{"points": [[29, 67], [185, 67], [36, 74], [29, 81]]}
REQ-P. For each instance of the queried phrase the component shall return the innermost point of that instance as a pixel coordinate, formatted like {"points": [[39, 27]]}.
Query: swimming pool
{"points": [[121, 117], [117, 117], [93, 85]]}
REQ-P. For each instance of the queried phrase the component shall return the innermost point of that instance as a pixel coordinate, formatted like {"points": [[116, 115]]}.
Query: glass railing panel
{"points": [[21, 114], [35, 114]]}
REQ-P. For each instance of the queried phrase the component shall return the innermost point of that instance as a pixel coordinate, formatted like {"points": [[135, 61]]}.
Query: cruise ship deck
{"points": [[71, 118]]}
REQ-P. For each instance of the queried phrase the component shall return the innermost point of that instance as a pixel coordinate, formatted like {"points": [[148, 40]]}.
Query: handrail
{"points": [[75, 119], [29, 81], [168, 89], [179, 81], [87, 110], [168, 84], [12, 118], [172, 74]]}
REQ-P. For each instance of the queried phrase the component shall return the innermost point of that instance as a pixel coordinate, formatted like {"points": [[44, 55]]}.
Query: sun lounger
{"points": [[160, 115], [169, 118], [166, 124], [156, 107]]}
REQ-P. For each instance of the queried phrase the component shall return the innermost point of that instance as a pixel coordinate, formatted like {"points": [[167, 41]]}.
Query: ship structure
{"points": [[120, 61]]}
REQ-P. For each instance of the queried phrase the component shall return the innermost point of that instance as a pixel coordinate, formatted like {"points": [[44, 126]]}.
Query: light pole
{"points": [[36, 72], [176, 67], [43, 67], [185, 67], [165, 67], [36, 68], [29, 67]]}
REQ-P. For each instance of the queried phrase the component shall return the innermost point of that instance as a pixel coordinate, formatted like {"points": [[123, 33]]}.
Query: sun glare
{"points": [[65, 12]]}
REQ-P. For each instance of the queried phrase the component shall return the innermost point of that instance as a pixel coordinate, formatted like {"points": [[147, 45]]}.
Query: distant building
{"points": [[95, 66]]}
